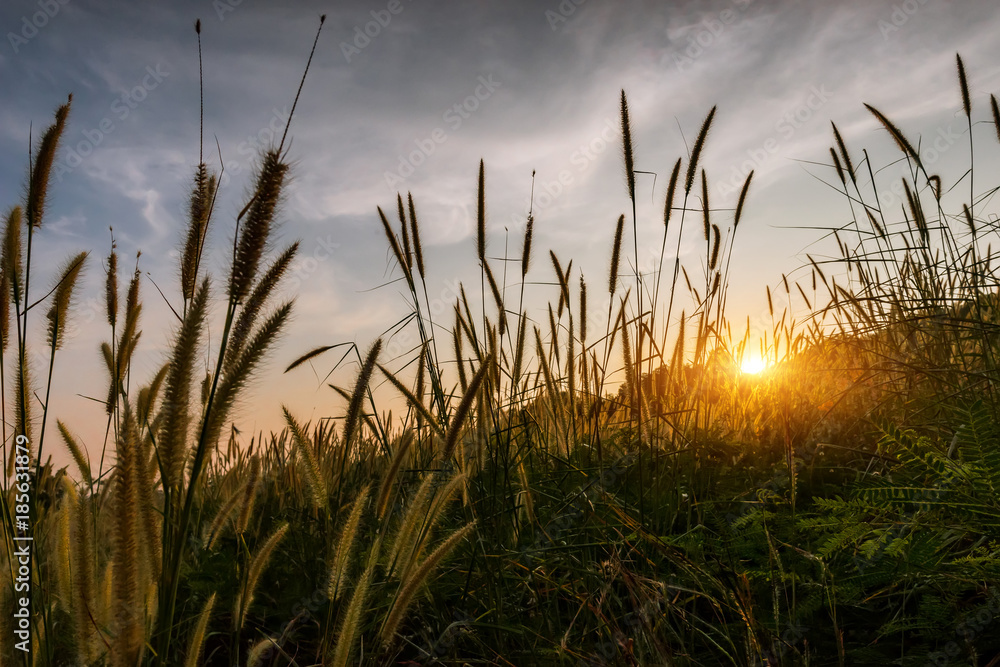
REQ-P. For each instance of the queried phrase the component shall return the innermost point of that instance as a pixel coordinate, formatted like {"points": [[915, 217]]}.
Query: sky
{"points": [[408, 96]]}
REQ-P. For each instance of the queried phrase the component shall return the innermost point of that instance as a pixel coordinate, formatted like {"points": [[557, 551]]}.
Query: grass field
{"points": [[585, 485]]}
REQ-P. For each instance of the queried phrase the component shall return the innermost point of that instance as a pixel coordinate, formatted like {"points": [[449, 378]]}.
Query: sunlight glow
{"points": [[751, 365]]}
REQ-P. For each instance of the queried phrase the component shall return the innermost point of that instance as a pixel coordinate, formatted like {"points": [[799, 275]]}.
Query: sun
{"points": [[752, 365]]}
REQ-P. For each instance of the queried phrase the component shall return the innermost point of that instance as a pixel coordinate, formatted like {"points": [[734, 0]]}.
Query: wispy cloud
{"points": [[411, 102]]}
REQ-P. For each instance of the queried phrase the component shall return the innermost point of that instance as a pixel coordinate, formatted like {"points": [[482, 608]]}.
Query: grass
{"points": [[590, 490]]}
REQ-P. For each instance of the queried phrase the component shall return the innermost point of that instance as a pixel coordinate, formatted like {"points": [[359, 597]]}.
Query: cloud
{"points": [[139, 178], [373, 113]]}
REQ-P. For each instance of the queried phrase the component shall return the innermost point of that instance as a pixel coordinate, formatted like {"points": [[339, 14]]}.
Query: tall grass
{"points": [[551, 493]]}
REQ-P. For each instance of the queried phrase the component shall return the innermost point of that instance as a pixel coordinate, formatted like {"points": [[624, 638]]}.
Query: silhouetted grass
{"points": [[552, 496]]}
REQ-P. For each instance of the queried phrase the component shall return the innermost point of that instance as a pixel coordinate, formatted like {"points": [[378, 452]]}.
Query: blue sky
{"points": [[408, 96]]}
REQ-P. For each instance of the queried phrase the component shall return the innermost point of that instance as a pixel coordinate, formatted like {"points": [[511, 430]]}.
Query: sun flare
{"points": [[752, 365]]}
